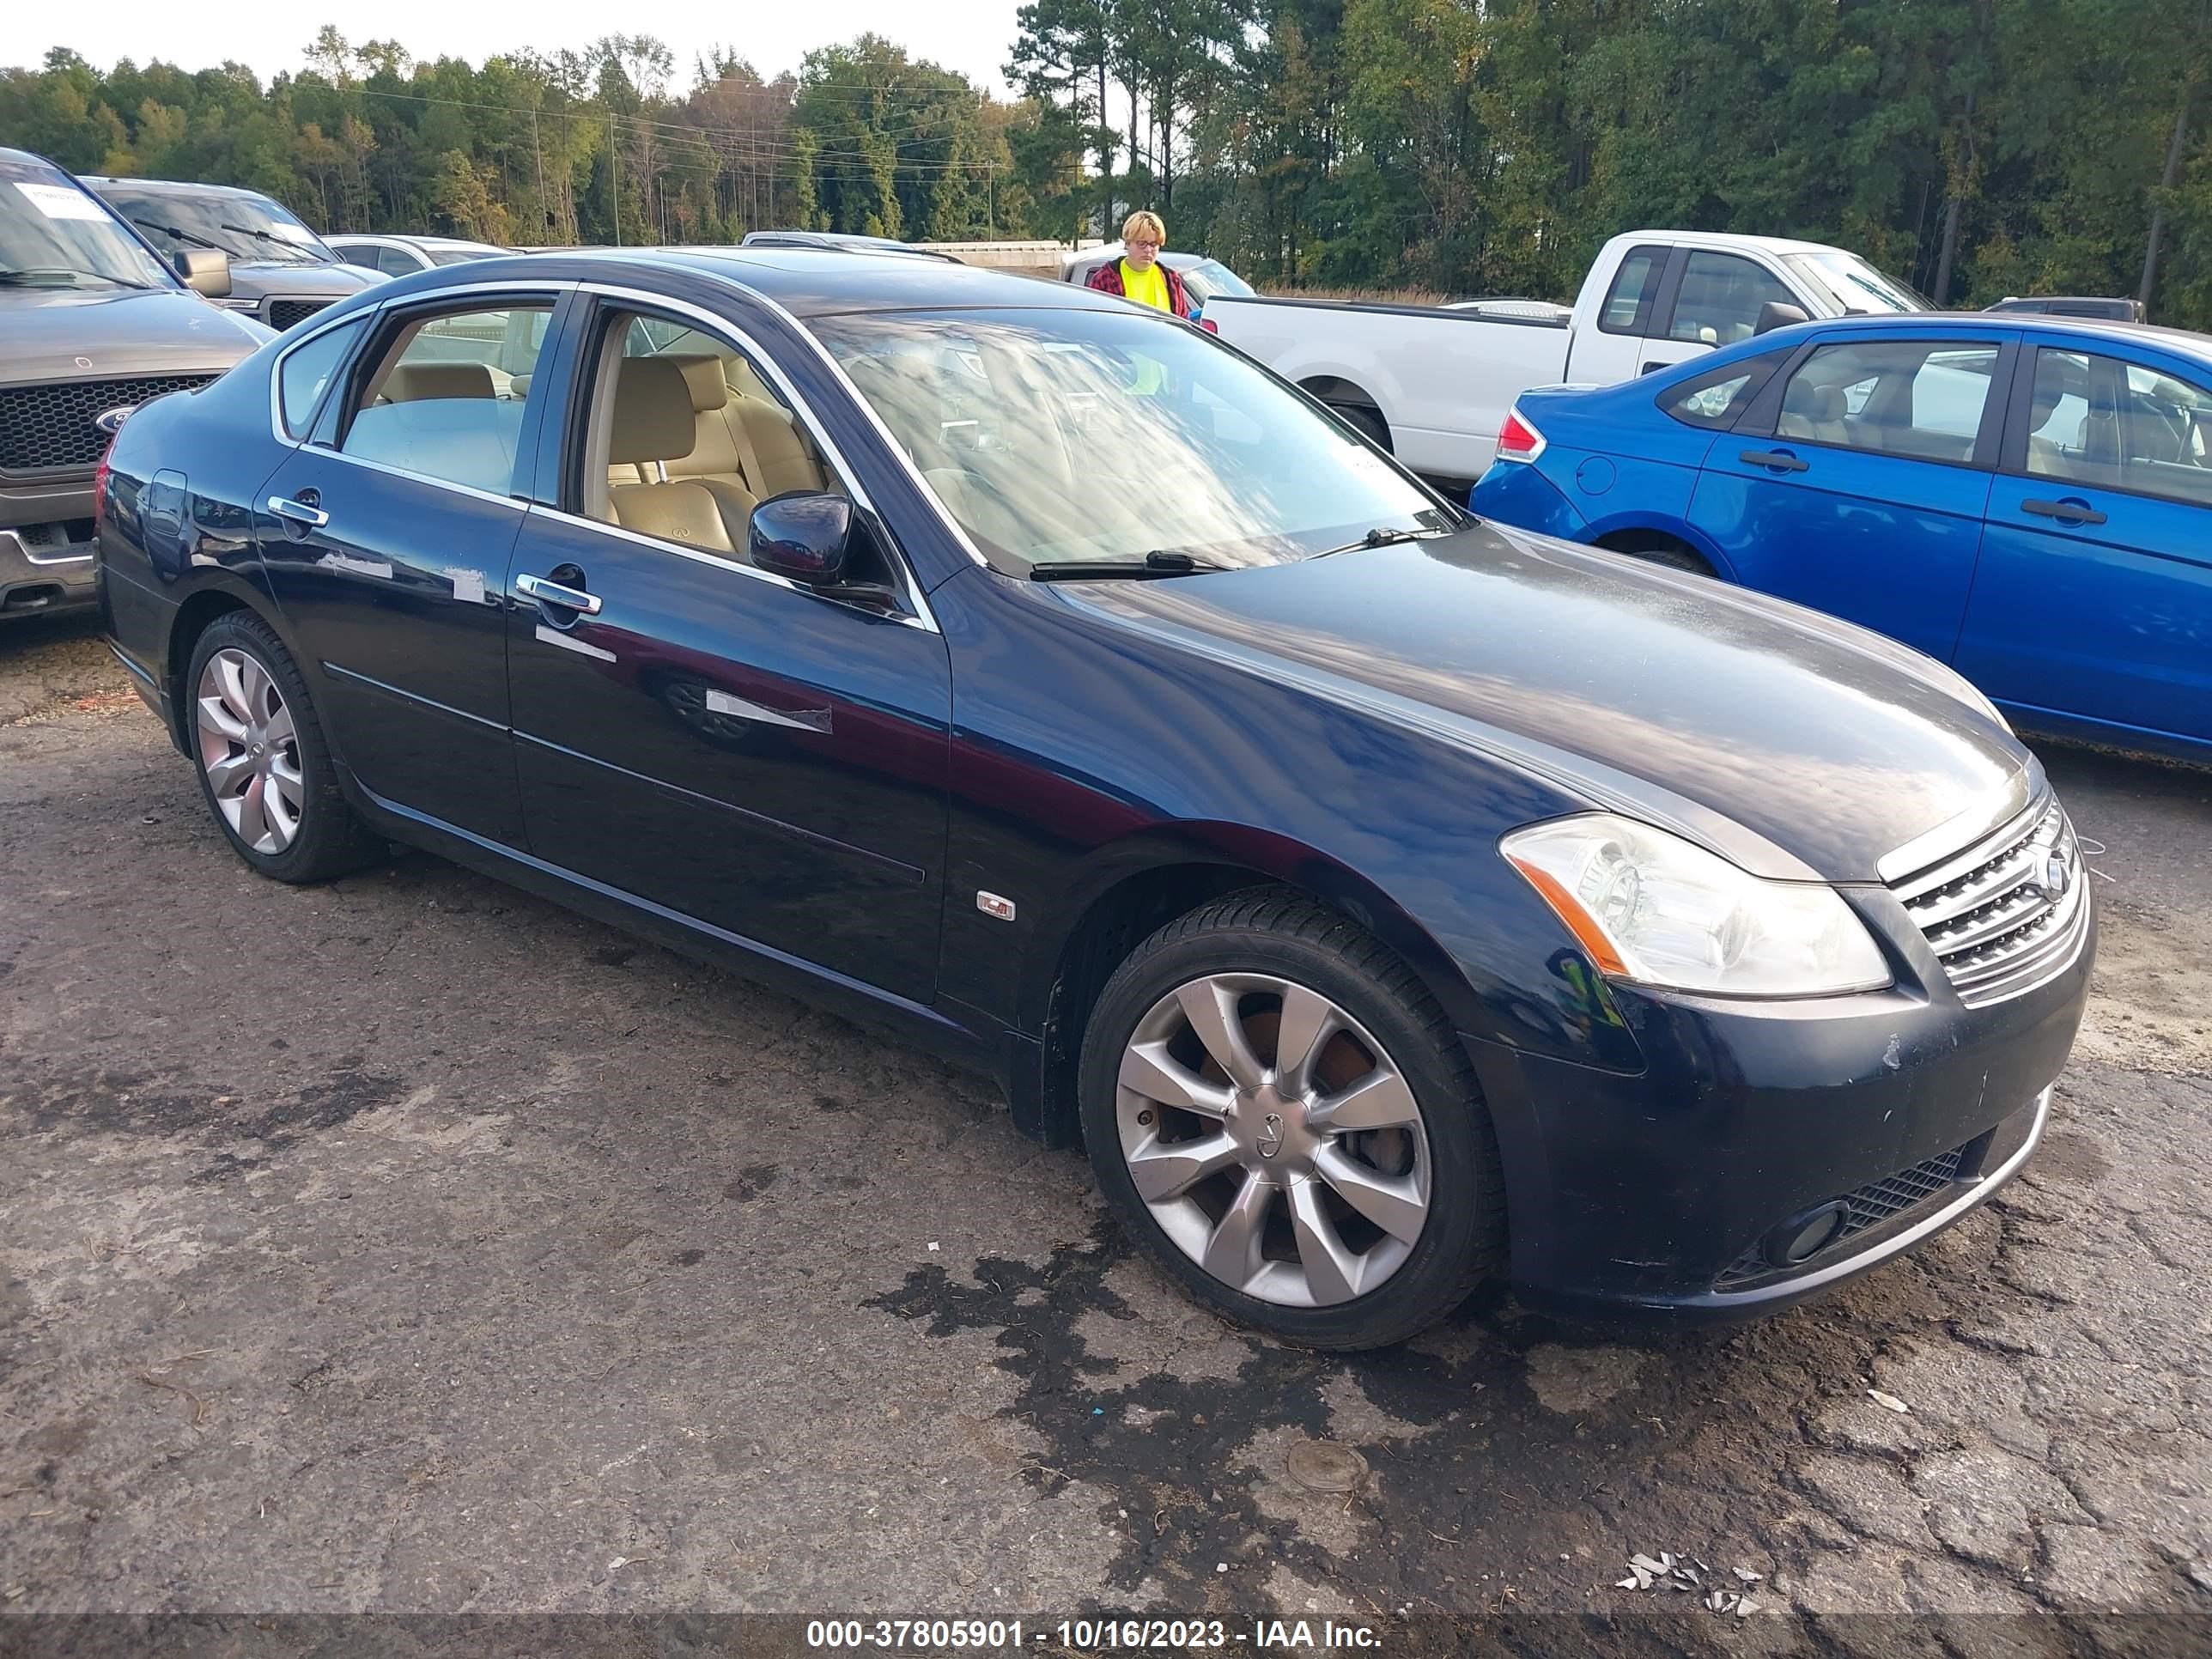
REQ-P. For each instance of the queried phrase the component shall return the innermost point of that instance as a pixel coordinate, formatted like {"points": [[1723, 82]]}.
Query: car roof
{"points": [[2181, 341], [174, 186], [1727, 239], [811, 283], [27, 159]]}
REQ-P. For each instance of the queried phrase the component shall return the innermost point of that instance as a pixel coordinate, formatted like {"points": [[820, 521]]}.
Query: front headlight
{"points": [[1652, 908]]}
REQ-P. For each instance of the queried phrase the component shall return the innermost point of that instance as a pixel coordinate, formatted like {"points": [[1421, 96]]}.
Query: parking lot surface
{"points": [[410, 1244]]}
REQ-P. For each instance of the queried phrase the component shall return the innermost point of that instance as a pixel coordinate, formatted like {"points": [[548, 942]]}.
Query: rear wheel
{"points": [[263, 765], [1370, 422], [1661, 550], [1286, 1121]]}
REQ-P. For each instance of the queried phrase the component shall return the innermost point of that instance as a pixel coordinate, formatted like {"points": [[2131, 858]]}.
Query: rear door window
{"points": [[447, 398], [1920, 400], [1635, 290]]}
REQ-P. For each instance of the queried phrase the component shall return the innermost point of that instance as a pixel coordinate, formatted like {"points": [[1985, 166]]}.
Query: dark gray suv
{"points": [[279, 270], [93, 323]]}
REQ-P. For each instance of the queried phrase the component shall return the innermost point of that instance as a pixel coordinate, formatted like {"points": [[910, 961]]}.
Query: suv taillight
{"points": [[1517, 440]]}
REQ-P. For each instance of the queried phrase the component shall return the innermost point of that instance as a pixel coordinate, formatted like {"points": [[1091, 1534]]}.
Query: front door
{"points": [[693, 732], [2094, 598], [387, 539], [1856, 485]]}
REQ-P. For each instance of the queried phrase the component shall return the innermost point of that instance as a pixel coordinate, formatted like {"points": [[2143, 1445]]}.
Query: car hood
{"points": [[1802, 747], [255, 277], [61, 334]]}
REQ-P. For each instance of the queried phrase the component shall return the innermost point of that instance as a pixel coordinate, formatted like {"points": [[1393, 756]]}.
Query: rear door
{"points": [[1856, 484], [2095, 595], [386, 537]]}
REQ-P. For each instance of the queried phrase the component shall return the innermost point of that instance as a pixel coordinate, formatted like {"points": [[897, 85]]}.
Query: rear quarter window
{"points": [[1717, 398]]}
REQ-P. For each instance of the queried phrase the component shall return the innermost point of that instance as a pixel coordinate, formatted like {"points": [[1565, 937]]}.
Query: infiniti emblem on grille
{"points": [[111, 420], [2057, 877], [1271, 1136]]}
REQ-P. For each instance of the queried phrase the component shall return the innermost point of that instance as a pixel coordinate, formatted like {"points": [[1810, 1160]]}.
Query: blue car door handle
{"points": [[1780, 460], [2070, 511]]}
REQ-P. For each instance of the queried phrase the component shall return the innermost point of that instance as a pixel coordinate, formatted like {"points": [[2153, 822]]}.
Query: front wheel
{"points": [[1286, 1121]]}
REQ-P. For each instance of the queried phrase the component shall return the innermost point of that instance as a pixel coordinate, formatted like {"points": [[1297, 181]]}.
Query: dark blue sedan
{"points": [[1382, 898], [2027, 498]]}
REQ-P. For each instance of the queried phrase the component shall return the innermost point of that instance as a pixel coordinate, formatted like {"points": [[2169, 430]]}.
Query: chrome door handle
{"points": [[298, 512], [552, 593]]}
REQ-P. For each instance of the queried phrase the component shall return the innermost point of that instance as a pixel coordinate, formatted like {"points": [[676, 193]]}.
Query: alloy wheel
{"points": [[1273, 1139], [250, 751]]}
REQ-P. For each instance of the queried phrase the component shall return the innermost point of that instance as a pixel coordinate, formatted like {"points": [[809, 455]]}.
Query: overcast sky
{"points": [[970, 36]]}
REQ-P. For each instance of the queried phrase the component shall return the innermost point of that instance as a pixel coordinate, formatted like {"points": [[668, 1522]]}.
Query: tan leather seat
{"points": [[718, 451], [410, 383], [1814, 412], [778, 457], [655, 425]]}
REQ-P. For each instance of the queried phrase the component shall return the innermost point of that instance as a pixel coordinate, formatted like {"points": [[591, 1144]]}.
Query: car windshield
{"points": [[1090, 437], [54, 235], [251, 229], [1855, 285], [1209, 278]]}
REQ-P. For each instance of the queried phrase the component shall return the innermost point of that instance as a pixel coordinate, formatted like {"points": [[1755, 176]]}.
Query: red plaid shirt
{"points": [[1107, 279]]}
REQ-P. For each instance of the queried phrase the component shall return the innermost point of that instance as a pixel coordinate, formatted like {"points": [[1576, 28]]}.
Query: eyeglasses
{"points": [[1155, 246]]}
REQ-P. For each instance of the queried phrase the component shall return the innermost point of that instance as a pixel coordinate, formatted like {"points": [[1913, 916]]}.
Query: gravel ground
{"points": [[410, 1244]]}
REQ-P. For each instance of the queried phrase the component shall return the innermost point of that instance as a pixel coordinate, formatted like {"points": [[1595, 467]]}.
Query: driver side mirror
{"points": [[206, 271], [804, 535], [1778, 314]]}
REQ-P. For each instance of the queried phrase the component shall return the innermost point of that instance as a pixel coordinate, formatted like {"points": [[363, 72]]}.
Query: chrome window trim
{"points": [[924, 619], [763, 360], [868, 411], [374, 313], [509, 499], [277, 426]]}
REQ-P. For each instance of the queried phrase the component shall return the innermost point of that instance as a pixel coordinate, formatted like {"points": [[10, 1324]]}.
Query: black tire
{"points": [[331, 840], [1673, 555], [1370, 422], [1275, 931]]}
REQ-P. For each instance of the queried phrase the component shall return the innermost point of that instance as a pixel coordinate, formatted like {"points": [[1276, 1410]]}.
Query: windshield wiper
{"points": [[1383, 536], [27, 278], [179, 232], [1160, 562], [285, 242]]}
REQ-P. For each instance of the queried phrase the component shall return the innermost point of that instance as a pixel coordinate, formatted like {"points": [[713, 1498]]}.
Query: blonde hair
{"points": [[1144, 219]]}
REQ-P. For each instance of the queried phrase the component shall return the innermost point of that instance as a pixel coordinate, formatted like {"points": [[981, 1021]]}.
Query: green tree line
{"points": [[1975, 148]]}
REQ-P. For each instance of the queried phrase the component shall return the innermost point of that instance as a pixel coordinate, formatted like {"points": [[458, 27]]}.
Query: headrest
{"points": [[709, 391], [744, 382], [1815, 403], [411, 383], [654, 419]]}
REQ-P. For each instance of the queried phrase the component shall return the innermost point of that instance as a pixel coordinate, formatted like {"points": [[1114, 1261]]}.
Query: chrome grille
{"points": [[2008, 913], [50, 426], [282, 313]]}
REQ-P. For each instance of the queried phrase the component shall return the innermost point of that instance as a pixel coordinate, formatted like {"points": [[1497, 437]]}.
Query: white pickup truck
{"points": [[1433, 383]]}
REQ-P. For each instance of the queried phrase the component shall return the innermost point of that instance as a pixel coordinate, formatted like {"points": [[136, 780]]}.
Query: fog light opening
{"points": [[1802, 1237]]}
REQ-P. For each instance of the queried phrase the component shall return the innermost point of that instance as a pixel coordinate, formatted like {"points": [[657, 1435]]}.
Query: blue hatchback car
{"points": [[2027, 499]]}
